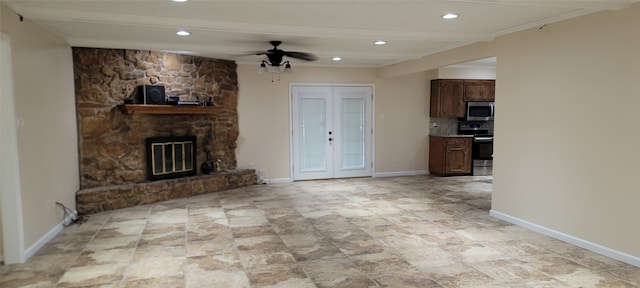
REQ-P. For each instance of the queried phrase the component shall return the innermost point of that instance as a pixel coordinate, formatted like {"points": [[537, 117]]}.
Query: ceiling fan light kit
{"points": [[275, 55], [275, 67], [287, 68], [263, 68]]}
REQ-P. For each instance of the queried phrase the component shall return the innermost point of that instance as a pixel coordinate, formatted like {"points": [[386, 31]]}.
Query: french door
{"points": [[332, 131]]}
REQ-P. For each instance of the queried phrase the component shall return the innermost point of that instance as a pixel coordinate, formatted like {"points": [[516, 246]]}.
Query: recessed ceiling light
{"points": [[183, 33], [450, 16], [380, 42], [179, 0], [336, 58]]}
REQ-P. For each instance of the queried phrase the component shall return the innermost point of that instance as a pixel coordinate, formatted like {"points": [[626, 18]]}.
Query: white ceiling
{"points": [[231, 29]]}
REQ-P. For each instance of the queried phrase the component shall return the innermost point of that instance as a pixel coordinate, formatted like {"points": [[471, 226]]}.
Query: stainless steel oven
{"points": [[482, 147]]}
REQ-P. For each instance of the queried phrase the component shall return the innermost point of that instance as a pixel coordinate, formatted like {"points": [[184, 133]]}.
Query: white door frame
{"points": [[373, 119]]}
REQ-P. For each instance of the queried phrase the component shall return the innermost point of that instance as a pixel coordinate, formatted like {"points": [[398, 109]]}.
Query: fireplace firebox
{"points": [[171, 157]]}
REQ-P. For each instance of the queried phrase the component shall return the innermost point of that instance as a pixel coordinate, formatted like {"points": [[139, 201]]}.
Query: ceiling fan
{"points": [[276, 55]]}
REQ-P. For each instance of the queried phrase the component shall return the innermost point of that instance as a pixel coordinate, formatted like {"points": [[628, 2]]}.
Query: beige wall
{"points": [[567, 152], [466, 73], [401, 118], [45, 111], [402, 123], [566, 148]]}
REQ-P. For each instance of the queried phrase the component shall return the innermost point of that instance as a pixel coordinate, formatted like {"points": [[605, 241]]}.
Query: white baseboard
{"points": [[400, 173], [375, 175], [47, 237], [611, 253], [277, 180]]}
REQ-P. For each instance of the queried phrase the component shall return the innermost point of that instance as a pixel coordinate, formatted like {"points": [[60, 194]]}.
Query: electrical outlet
{"points": [[250, 165]]}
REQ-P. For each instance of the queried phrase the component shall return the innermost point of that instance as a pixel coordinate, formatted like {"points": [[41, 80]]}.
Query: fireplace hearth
{"points": [[171, 157]]}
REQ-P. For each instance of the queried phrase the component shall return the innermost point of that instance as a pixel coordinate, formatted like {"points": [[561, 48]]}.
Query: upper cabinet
{"points": [[448, 96], [479, 90]]}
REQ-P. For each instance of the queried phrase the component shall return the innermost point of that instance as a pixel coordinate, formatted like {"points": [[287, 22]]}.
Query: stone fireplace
{"points": [[113, 160]]}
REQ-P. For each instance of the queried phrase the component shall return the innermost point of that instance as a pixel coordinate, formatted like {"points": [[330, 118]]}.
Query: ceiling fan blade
{"points": [[275, 55], [301, 55]]}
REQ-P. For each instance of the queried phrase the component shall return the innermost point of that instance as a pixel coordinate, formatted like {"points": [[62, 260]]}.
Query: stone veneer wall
{"points": [[112, 144]]}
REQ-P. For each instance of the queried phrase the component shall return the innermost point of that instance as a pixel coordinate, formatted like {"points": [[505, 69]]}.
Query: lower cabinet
{"points": [[450, 155]]}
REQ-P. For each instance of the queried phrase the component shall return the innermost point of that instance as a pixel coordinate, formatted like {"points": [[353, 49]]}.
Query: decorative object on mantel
{"points": [[172, 100], [209, 102], [151, 94]]}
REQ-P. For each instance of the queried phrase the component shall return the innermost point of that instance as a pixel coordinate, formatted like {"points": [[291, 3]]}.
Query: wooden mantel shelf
{"points": [[166, 109]]}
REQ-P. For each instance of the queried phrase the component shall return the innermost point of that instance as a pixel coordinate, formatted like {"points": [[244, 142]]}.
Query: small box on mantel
{"points": [[151, 94]]}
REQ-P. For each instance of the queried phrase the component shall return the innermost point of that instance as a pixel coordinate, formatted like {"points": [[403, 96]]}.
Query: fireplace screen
{"points": [[171, 157]]}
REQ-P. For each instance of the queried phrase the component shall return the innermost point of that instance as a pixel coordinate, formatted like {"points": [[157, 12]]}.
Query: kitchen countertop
{"points": [[452, 135]]}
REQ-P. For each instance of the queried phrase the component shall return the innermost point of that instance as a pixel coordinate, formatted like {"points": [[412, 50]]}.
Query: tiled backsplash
{"points": [[444, 126], [448, 126]]}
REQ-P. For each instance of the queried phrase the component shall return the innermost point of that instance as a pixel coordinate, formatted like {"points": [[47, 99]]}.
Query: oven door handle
{"points": [[493, 107], [483, 139]]}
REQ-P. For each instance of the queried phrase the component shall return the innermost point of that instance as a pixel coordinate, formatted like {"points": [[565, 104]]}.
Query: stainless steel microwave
{"points": [[480, 111]]}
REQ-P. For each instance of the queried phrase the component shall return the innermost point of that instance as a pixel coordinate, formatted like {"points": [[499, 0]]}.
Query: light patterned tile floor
{"points": [[404, 232]]}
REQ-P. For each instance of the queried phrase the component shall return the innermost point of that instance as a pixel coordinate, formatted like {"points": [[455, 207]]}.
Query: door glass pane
{"points": [[188, 156], [179, 156], [158, 164], [168, 157], [313, 134], [353, 134]]}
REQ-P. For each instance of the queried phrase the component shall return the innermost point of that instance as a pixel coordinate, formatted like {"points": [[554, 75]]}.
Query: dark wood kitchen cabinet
{"points": [[479, 90], [450, 155], [447, 98]]}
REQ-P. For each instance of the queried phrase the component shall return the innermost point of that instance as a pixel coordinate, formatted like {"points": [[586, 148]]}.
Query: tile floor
{"points": [[386, 232]]}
